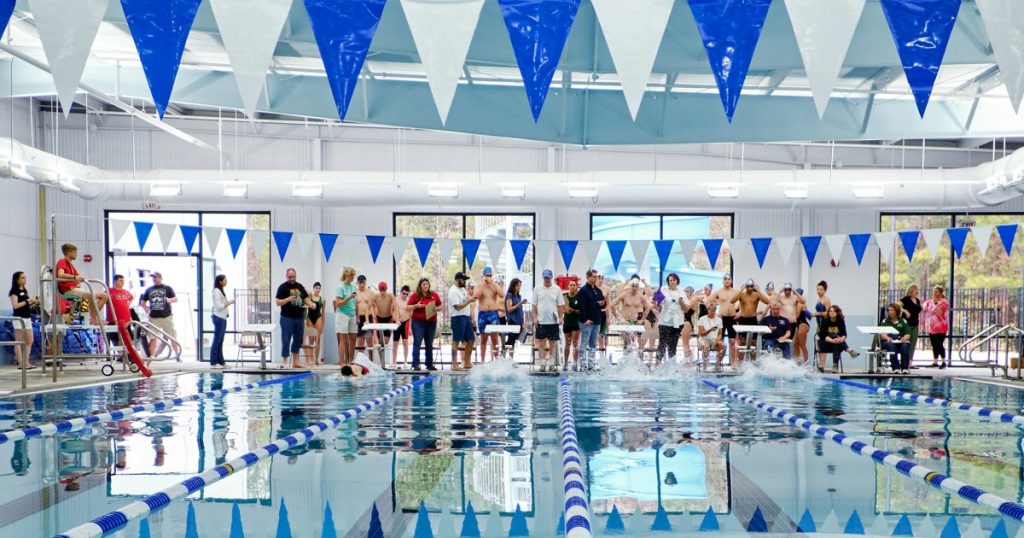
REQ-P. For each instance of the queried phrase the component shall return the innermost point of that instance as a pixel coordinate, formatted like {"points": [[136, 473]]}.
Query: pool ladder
{"points": [[997, 341]]}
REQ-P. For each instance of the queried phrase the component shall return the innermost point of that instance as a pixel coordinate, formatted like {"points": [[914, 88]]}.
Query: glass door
{"points": [[209, 273]]}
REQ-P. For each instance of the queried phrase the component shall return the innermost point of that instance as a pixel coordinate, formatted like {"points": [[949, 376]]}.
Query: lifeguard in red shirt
{"points": [[68, 278]]}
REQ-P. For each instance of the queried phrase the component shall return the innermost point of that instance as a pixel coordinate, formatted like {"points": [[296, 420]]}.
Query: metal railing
{"points": [[997, 341], [253, 307], [25, 350]]}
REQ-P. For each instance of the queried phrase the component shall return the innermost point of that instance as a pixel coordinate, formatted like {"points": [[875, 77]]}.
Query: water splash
{"points": [[773, 366], [499, 370], [375, 370]]}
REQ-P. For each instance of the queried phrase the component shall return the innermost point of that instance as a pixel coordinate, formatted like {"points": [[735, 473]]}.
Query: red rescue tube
{"points": [[133, 354]]}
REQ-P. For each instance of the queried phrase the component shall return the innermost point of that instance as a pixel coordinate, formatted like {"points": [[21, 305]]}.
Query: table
{"points": [[757, 331], [875, 330], [267, 329], [502, 329], [381, 345]]}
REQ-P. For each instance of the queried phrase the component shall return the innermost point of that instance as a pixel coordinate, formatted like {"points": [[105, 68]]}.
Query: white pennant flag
{"points": [[442, 31], [885, 242], [67, 29], [1004, 22], [117, 230], [932, 239], [213, 237], [257, 238], [542, 250], [445, 247], [591, 250], [981, 236], [305, 243], [633, 31], [824, 31], [494, 249], [639, 247], [250, 31], [399, 246], [836, 244], [166, 232], [785, 246], [686, 254]]}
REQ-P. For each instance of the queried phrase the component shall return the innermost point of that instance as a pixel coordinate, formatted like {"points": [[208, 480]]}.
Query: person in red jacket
{"points": [[423, 304]]}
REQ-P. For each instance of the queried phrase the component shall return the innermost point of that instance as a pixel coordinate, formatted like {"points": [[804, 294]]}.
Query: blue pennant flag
{"points": [[859, 242], [236, 523], [519, 247], [854, 525], [189, 234], [376, 530], [614, 524], [999, 531], [518, 526], [469, 249], [284, 529], [191, 529], [921, 30], [375, 242], [615, 249], [423, 245], [957, 239], [806, 523], [730, 30], [6, 10], [761, 245], [538, 30], [235, 237], [142, 231], [282, 240], [664, 250], [144, 529], [757, 522], [343, 30], [327, 241], [951, 530], [470, 526], [909, 240], [710, 521], [903, 527], [713, 247], [423, 529], [160, 29], [1007, 233], [327, 527], [811, 244], [568, 249], [661, 522]]}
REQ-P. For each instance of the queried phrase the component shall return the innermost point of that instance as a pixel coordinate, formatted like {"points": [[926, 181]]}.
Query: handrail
{"points": [[25, 350], [172, 345], [998, 332], [962, 348]]}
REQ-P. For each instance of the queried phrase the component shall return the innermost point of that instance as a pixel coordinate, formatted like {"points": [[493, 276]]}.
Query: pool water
{"points": [[493, 443]]}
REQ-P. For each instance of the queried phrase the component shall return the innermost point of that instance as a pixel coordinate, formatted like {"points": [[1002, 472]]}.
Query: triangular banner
{"points": [[235, 237], [423, 245], [957, 239], [713, 247], [823, 32], [494, 249], [908, 239], [327, 243], [932, 240], [166, 233], [1004, 22], [633, 32], [256, 238], [445, 247], [568, 250], [160, 29], [189, 234], [730, 31], [836, 243], [785, 246], [538, 31], [859, 242], [639, 247], [305, 242], [213, 237], [664, 249], [442, 31], [142, 231], [470, 247], [615, 250], [283, 240], [375, 242], [542, 252], [343, 30], [761, 246], [982, 235], [117, 230], [1007, 233], [921, 30], [250, 32], [591, 249], [398, 247], [519, 248], [811, 243], [6, 10], [689, 246], [886, 244], [67, 29]]}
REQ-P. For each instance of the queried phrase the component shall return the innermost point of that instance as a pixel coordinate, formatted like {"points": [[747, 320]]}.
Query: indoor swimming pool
{"points": [[482, 455]]}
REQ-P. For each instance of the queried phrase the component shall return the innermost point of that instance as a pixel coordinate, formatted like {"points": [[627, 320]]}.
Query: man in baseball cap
{"points": [[459, 303], [549, 305]]}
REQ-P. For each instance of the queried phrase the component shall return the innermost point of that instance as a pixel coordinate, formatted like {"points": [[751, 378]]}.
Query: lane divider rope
{"points": [[577, 512], [881, 457], [1002, 416], [117, 519], [74, 424]]}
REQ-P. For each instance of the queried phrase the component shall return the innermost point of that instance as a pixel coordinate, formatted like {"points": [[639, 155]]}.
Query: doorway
{"points": [[181, 273]]}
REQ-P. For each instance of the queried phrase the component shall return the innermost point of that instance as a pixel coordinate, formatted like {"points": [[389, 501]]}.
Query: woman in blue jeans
{"points": [[423, 304], [220, 321], [898, 344]]}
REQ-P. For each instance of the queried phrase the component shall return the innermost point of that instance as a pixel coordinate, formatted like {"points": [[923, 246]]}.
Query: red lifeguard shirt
{"points": [[69, 271], [121, 305]]}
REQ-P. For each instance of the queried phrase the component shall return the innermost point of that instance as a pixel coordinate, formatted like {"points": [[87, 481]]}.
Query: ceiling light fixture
{"points": [[165, 189], [308, 190], [795, 191], [869, 191], [724, 190], [583, 190], [236, 189], [443, 190], [513, 190]]}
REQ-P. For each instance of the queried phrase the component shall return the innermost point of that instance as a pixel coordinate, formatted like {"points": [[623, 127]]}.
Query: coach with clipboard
{"points": [[423, 304]]}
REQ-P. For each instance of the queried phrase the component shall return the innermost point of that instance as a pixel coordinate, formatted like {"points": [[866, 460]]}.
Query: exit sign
{"points": [[965, 223]]}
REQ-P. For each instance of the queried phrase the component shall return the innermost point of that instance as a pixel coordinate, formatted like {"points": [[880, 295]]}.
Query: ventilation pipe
{"points": [[25, 163]]}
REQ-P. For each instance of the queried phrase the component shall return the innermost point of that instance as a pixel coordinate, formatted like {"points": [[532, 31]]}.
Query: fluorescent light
{"points": [[869, 191], [307, 190], [165, 189], [724, 190], [513, 190], [583, 190], [443, 190], [236, 189], [795, 191]]}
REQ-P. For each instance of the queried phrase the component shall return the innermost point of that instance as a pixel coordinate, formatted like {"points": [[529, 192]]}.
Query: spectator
{"points": [[345, 324], [157, 301], [550, 305], [709, 335], [911, 303], [22, 304], [514, 312], [592, 313], [832, 335], [936, 323], [293, 300], [68, 279], [220, 321], [781, 335], [571, 325], [459, 303], [898, 344], [423, 304]]}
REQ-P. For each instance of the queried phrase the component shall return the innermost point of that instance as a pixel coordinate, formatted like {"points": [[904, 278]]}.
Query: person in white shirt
{"points": [[550, 306], [709, 332], [459, 307], [220, 321], [670, 321]]}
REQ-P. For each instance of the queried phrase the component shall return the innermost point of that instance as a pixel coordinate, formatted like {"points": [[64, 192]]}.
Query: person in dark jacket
{"points": [[832, 338], [591, 307]]}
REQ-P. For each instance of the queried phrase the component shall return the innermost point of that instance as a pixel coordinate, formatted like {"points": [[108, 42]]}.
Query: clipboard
{"points": [[430, 310]]}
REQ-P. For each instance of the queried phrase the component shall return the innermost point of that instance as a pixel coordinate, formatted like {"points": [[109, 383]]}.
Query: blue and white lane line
{"points": [[117, 519], [577, 512], [1002, 416], [906, 467], [74, 424]]}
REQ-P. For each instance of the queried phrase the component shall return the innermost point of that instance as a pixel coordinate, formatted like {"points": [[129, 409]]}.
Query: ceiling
{"points": [[585, 105]]}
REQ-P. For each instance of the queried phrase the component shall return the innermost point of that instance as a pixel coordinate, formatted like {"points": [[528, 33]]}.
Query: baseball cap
{"points": [[461, 276], [787, 286], [769, 286], [547, 273], [156, 274], [488, 271], [361, 278], [383, 286]]}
